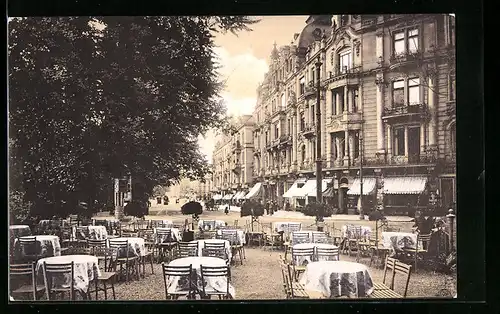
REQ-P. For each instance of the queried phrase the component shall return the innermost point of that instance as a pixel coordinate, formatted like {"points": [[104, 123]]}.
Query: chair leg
{"points": [[152, 269], [96, 288], [113, 289], [105, 291]]}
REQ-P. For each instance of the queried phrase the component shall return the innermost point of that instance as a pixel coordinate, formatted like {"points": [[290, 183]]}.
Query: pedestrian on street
{"points": [[226, 210]]}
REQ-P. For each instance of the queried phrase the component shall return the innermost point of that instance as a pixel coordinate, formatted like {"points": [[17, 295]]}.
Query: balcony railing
{"points": [[405, 58], [309, 129], [286, 138], [402, 110], [310, 89], [345, 71]]}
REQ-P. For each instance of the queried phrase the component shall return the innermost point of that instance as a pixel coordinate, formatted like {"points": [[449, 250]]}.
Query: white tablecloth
{"points": [[399, 240], [304, 260], [49, 245], [348, 229], [98, 232], [201, 245], [286, 226], [213, 283], [136, 246], [211, 224], [174, 232], [86, 269], [239, 233], [338, 278]]}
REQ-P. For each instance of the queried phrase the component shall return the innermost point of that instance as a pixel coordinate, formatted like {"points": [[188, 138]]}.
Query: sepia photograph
{"points": [[184, 158]]}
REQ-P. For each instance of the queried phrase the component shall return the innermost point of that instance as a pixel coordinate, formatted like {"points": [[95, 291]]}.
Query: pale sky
{"points": [[244, 61]]}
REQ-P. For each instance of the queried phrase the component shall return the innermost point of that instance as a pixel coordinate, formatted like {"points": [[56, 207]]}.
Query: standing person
{"points": [[226, 210], [267, 207]]}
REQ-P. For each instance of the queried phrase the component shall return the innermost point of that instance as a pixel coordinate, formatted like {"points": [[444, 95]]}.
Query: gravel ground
{"points": [[259, 278]]}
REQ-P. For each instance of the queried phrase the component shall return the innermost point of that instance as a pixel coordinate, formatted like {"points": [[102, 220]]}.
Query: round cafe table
{"points": [[240, 234], [175, 234], [17, 231], [98, 233], [304, 260], [338, 278], [136, 246], [399, 240], [212, 283], [86, 269], [49, 246]]}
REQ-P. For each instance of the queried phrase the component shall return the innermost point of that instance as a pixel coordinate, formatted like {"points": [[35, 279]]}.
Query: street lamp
{"points": [[319, 185]]}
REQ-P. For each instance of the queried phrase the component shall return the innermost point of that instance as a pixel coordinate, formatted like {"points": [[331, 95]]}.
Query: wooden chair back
{"points": [[404, 270], [215, 272], [30, 248], [285, 277], [327, 254], [299, 237], [163, 235], [122, 248], [214, 245], [423, 241], [320, 237], [82, 232], [92, 244], [215, 252], [176, 272], [302, 253], [59, 270], [389, 266], [21, 271], [231, 236]]}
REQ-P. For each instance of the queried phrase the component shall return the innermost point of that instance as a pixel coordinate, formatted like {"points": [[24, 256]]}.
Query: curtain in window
{"points": [[398, 93], [413, 40], [399, 43], [414, 91]]}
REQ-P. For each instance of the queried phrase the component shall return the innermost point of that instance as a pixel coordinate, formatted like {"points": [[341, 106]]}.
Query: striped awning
{"points": [[294, 189], [312, 191], [368, 186], [404, 185], [228, 196], [255, 191]]}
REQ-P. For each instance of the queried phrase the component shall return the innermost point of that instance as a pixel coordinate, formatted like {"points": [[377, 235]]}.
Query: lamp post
{"points": [[361, 153], [319, 190]]}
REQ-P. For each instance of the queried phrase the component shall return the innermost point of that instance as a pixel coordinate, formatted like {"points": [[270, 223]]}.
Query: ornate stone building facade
{"points": [[233, 158], [387, 93]]}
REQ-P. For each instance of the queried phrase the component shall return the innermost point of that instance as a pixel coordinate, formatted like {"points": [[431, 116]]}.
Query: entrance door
{"points": [[414, 145]]}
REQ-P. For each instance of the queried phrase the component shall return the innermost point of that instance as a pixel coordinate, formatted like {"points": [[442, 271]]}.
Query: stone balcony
{"points": [[405, 113], [351, 119], [404, 60], [309, 130], [344, 76]]}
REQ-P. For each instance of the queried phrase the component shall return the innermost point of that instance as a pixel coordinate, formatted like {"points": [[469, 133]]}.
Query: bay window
{"points": [[414, 91], [413, 40], [398, 91], [399, 43]]}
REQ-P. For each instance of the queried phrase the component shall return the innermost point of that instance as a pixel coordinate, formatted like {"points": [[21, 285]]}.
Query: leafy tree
{"points": [[318, 210], [92, 99], [192, 208], [252, 208], [136, 208]]}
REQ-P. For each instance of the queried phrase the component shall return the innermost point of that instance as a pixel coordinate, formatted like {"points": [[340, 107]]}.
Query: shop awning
{"points": [[294, 189], [228, 196], [368, 186], [311, 192], [239, 195], [330, 192], [308, 187], [255, 191], [217, 197], [404, 185]]}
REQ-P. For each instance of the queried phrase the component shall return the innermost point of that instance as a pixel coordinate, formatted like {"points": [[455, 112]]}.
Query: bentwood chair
{"points": [[23, 280], [128, 262]]}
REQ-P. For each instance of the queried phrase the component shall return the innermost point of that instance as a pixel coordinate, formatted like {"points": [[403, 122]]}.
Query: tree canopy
{"points": [[94, 98], [252, 208]]}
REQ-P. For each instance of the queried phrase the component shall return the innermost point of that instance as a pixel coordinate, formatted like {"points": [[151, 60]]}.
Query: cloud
{"points": [[242, 73]]}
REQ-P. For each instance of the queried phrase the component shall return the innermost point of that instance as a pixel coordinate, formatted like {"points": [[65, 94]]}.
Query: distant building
{"points": [[387, 93]]}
